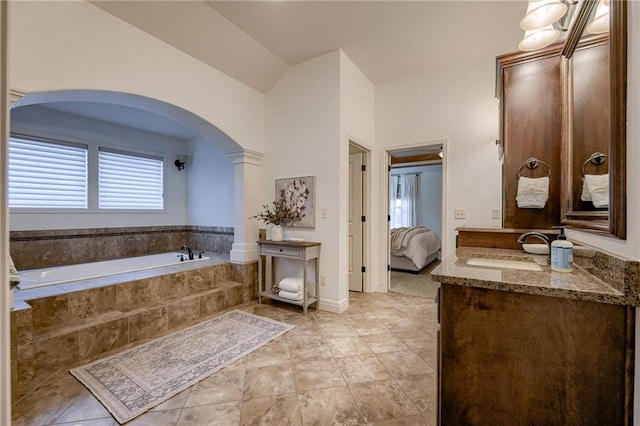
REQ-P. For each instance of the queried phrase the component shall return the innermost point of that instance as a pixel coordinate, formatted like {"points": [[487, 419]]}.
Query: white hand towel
{"points": [[291, 295], [597, 189], [292, 284], [532, 192]]}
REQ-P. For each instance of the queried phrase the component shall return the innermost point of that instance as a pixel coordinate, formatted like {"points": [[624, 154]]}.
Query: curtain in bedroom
{"points": [[403, 200]]}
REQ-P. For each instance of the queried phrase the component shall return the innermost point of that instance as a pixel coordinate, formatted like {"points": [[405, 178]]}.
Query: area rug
{"points": [[134, 381], [420, 285]]}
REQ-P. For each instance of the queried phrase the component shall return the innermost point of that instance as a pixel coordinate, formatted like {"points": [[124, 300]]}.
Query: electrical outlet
{"points": [[496, 214], [323, 280], [460, 213]]}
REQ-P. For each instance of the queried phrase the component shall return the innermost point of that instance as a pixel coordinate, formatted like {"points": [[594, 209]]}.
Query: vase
{"points": [[277, 234]]}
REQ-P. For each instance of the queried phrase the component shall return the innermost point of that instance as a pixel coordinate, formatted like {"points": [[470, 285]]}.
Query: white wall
{"points": [[210, 185], [430, 190], [357, 124], [303, 139], [37, 121], [458, 104], [74, 45]]}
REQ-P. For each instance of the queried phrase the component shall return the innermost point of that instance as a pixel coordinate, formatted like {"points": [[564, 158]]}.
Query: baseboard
{"points": [[334, 306]]}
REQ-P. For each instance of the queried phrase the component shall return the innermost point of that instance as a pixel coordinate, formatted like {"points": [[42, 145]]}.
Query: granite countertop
{"points": [[578, 284]]}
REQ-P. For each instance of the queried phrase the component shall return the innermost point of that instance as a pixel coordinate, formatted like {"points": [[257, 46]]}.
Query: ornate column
{"points": [[246, 181]]}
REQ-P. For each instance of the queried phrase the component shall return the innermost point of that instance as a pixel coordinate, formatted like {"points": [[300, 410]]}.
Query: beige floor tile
{"points": [[157, 418], [383, 347], [382, 400], [330, 406], [337, 329], [309, 353], [362, 368], [421, 390], [347, 346], [280, 410], [415, 420], [224, 386], [107, 421], [86, 406], [269, 381], [223, 414], [404, 363], [176, 401], [322, 373], [384, 342], [273, 353]]}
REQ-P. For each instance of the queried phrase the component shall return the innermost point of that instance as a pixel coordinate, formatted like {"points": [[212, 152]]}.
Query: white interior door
{"points": [[356, 276]]}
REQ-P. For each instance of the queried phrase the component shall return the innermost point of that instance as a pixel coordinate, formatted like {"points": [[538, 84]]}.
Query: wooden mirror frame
{"points": [[613, 222]]}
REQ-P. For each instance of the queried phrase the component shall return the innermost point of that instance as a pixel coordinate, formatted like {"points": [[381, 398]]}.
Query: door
{"points": [[356, 273]]}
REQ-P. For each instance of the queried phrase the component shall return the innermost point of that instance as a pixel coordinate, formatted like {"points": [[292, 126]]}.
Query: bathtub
{"points": [[35, 278]]}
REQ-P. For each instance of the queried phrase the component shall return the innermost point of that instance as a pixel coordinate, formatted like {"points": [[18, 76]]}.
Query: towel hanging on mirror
{"points": [[595, 188]]}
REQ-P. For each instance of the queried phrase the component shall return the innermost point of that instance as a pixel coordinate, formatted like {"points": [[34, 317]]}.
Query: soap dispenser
{"points": [[562, 253]]}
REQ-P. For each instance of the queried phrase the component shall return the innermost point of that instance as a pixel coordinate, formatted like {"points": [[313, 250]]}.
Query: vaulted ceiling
{"points": [[256, 42]]}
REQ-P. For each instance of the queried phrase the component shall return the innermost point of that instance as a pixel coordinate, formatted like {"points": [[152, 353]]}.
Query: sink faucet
{"points": [[190, 252], [523, 238]]}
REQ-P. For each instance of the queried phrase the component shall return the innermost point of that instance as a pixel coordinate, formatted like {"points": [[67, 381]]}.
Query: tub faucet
{"points": [[190, 252]]}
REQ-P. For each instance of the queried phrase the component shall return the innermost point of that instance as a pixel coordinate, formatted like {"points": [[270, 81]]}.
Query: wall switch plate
{"points": [[460, 213], [323, 213], [496, 214], [323, 280]]}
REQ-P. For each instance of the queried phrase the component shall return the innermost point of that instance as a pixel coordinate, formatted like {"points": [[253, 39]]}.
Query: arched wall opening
{"points": [[199, 201]]}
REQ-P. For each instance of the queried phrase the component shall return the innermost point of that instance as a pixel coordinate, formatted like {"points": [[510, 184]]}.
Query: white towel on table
{"points": [[595, 188], [292, 284], [291, 295], [533, 193]]}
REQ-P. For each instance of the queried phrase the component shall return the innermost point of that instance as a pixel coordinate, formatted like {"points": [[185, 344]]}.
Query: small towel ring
{"points": [[532, 163], [597, 159]]}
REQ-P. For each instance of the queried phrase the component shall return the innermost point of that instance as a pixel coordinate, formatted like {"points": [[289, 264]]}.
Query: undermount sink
{"points": [[504, 263]]}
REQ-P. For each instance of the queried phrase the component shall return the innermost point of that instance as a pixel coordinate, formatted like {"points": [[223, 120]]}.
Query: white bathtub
{"points": [[35, 278]]}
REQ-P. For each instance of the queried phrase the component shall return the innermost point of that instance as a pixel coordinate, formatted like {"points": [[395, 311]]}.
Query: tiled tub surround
{"points": [[596, 276], [44, 248], [53, 327]]}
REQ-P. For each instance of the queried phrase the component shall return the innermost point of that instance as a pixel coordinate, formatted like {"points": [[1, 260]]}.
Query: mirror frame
{"points": [[614, 221]]}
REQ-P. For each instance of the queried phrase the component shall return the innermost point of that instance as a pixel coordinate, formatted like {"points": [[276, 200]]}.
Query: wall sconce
{"points": [[181, 161]]}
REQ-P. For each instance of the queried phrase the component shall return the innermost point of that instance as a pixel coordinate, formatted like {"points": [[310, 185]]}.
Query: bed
{"points": [[413, 248]]}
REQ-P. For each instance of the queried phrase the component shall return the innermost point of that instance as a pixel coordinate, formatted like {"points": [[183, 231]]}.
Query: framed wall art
{"points": [[300, 192]]}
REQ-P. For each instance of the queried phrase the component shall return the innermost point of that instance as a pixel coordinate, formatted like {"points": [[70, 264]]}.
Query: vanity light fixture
{"points": [[537, 39], [181, 161], [600, 23], [541, 13]]}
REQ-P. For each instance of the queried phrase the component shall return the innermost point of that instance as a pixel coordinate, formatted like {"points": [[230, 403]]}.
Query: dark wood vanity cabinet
{"points": [[509, 358]]}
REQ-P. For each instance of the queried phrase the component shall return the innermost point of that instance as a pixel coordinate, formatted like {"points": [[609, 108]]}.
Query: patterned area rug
{"points": [[134, 381]]}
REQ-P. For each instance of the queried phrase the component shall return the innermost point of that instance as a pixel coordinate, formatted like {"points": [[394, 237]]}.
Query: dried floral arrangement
{"points": [[288, 208]]}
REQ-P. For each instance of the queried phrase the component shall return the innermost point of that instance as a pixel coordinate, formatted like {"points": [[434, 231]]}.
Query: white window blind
{"points": [[129, 181], [45, 174]]}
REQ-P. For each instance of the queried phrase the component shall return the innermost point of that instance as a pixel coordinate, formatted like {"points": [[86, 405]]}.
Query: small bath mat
{"points": [[134, 381]]}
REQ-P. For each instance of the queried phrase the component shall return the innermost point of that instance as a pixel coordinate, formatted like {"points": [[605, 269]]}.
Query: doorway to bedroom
{"points": [[415, 218]]}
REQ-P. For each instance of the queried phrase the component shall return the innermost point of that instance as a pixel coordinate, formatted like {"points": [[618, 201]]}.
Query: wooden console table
{"points": [[303, 251]]}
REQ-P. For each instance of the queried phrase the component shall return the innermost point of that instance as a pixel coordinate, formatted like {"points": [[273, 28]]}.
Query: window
{"points": [[403, 199], [129, 181], [45, 174]]}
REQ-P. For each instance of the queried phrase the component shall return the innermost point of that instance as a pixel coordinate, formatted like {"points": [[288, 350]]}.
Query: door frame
{"points": [[386, 172], [366, 198]]}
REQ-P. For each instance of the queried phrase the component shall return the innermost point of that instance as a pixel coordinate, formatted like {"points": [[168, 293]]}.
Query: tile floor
{"points": [[372, 365]]}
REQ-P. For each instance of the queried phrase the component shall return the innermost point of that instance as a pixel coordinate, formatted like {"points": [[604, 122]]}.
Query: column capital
{"points": [[246, 156]]}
